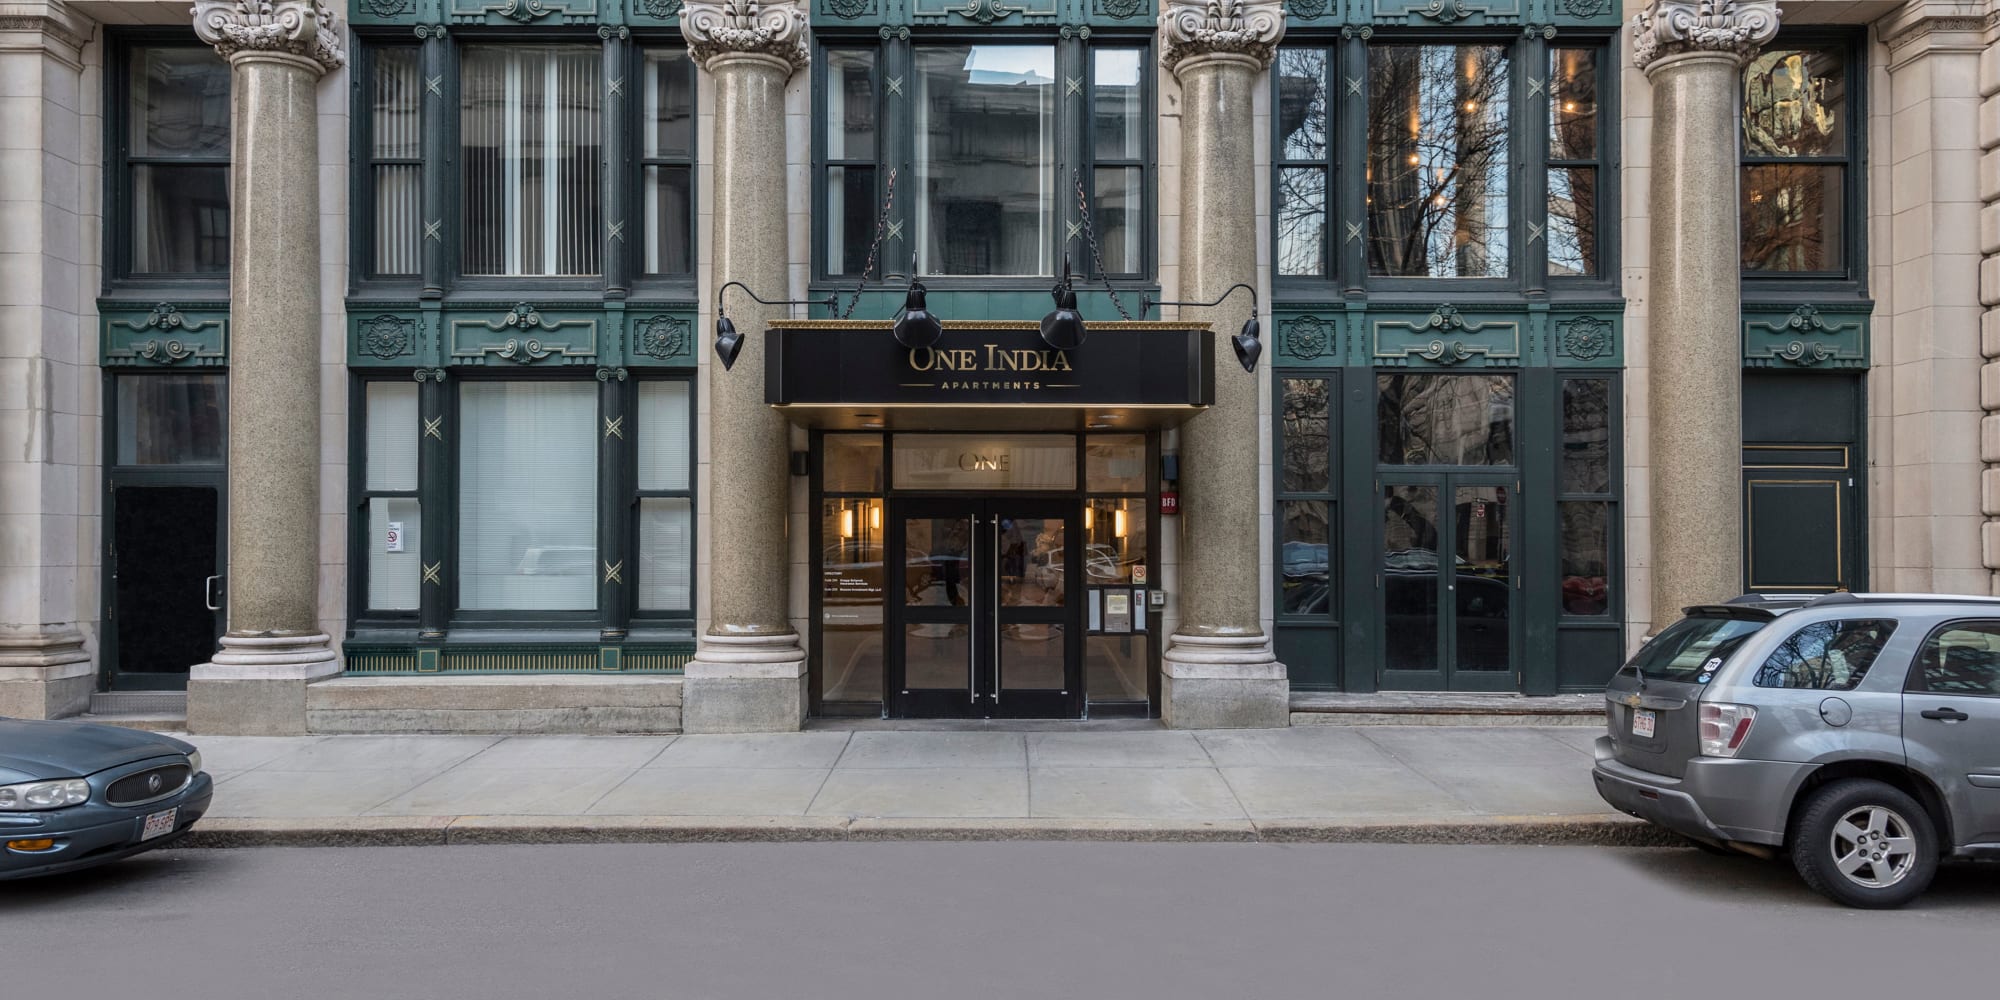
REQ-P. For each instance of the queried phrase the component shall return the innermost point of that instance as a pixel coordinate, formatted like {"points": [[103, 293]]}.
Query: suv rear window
{"points": [[1826, 656], [1687, 648]]}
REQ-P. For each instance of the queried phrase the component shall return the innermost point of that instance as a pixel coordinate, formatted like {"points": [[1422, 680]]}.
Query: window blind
{"points": [[530, 134], [527, 496]]}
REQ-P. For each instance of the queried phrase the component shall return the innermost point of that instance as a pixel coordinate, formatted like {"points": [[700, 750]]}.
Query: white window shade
{"points": [[530, 138], [392, 436], [663, 435], [395, 577], [666, 554], [527, 496]]}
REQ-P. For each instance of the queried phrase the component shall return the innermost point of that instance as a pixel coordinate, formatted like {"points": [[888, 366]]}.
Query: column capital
{"points": [[307, 30], [1680, 27], [718, 28], [1247, 28]]}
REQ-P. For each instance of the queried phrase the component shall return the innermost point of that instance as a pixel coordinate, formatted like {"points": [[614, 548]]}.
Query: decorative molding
{"points": [[1444, 337], [1898, 36], [429, 375], [58, 25], [385, 336], [307, 29], [387, 8], [1119, 9], [1586, 338], [1308, 337], [1582, 9], [662, 338], [1447, 11], [665, 10], [608, 374], [1678, 27], [985, 11], [527, 340], [1308, 8], [1193, 28], [717, 28], [175, 337], [847, 10], [1805, 338]]}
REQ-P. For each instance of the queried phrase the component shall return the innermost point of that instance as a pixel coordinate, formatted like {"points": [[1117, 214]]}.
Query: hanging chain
{"points": [[1090, 236], [881, 229]]}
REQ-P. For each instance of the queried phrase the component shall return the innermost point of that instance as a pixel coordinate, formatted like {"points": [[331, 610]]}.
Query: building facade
{"points": [[708, 365]]}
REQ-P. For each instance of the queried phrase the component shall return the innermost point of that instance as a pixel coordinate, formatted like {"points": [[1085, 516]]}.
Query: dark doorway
{"points": [[1448, 583], [165, 592], [1802, 496], [984, 616]]}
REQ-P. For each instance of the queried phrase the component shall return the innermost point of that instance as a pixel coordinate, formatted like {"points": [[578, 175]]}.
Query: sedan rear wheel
{"points": [[1865, 843]]}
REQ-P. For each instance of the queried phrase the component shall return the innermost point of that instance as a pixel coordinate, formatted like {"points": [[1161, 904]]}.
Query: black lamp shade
{"points": [[1062, 328], [917, 327], [1249, 347], [728, 343]]}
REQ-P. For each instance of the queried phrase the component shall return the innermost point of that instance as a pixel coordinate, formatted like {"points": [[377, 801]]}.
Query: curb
{"points": [[442, 831]]}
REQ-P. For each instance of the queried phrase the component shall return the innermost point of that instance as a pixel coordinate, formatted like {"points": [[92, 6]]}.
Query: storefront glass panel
{"points": [[984, 461], [1427, 419], [528, 496], [171, 419]]}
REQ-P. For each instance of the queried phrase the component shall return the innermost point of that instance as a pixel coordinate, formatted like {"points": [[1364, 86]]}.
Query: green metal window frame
{"points": [[895, 147], [1328, 622], [1851, 281], [1345, 233], [437, 482], [440, 65], [119, 277]]}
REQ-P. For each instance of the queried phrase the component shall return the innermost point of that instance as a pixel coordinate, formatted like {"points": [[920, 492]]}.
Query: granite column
{"points": [[273, 647], [1218, 669], [1693, 54], [749, 670]]}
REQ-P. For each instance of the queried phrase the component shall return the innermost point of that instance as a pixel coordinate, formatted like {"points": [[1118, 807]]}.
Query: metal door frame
{"points": [[1446, 676]]}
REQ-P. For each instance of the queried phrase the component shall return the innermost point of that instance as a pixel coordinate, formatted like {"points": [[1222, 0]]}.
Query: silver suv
{"points": [[1860, 733]]}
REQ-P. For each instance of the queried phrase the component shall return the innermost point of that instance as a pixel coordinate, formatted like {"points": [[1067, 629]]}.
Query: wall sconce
{"points": [[1089, 509], [875, 516], [1118, 522], [847, 522], [1249, 343], [915, 326], [729, 343], [1062, 328]]}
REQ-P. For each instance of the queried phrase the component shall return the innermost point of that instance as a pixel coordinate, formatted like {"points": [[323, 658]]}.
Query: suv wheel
{"points": [[1865, 843]]}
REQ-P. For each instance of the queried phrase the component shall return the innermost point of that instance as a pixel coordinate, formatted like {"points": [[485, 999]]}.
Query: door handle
{"points": [[994, 692], [1945, 714], [211, 594], [972, 619]]}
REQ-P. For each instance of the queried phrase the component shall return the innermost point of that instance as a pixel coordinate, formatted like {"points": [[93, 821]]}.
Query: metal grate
{"points": [[380, 661], [139, 703]]}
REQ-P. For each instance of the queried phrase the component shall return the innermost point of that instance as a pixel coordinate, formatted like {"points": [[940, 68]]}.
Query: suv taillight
{"points": [[1724, 727]]}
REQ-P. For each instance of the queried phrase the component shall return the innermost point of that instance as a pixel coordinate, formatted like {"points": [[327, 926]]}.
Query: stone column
{"points": [[48, 486], [749, 670], [277, 52], [1218, 670], [1692, 51]]}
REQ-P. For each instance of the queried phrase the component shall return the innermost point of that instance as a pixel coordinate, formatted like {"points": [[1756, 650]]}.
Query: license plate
{"points": [[159, 824], [1642, 722]]}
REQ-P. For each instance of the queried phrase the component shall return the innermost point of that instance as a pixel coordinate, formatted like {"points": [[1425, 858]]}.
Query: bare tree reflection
{"points": [[1437, 160]]}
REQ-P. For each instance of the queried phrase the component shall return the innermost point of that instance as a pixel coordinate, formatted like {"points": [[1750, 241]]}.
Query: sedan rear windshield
{"points": [[1693, 646]]}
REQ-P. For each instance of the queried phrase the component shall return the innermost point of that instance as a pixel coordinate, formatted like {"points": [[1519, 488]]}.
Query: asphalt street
{"points": [[977, 920]]}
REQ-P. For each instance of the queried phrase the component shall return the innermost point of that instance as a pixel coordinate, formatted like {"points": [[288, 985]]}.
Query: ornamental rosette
{"points": [[716, 28], [1207, 27], [308, 29], [1676, 27]]}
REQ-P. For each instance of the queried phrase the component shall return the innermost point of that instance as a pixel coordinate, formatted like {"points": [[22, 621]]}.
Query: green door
{"points": [[1449, 582], [1800, 531]]}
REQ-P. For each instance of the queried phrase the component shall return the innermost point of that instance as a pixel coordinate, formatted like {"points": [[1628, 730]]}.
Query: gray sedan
{"points": [[1858, 733], [74, 794]]}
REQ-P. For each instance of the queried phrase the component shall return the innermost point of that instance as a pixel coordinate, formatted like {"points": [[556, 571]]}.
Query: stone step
{"points": [[1438, 709], [158, 722], [496, 703]]}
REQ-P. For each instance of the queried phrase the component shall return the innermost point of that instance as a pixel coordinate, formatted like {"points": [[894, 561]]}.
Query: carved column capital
{"points": [[1678, 27], [717, 28], [308, 30], [1250, 28]]}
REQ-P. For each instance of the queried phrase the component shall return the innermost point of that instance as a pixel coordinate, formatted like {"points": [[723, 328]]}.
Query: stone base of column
{"points": [[256, 684], [745, 684], [1223, 682], [45, 673]]}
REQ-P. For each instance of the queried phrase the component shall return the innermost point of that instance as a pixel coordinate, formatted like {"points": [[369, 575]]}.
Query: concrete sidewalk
{"points": [[1406, 784]]}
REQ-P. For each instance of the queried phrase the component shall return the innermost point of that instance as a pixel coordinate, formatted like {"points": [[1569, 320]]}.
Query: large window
{"points": [[1443, 171], [174, 150], [1587, 506], [997, 138], [524, 162], [1798, 142], [521, 491]]}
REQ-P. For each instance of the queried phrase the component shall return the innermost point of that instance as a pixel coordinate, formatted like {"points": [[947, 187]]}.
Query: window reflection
{"points": [[1302, 189], [1306, 448], [1437, 161], [1794, 139], [1792, 218], [1795, 103], [985, 127], [1425, 419]]}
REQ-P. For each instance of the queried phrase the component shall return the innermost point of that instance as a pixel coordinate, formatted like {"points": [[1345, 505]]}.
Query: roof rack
{"points": [[1836, 599], [1772, 598]]}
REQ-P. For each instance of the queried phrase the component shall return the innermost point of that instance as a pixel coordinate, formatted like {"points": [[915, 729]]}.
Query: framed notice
{"points": [[1117, 611]]}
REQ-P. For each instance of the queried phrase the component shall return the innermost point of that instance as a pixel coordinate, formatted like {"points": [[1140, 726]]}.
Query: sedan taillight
{"points": [[1724, 727]]}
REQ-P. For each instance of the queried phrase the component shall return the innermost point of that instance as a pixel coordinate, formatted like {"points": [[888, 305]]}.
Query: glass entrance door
{"points": [[1448, 583], [982, 612]]}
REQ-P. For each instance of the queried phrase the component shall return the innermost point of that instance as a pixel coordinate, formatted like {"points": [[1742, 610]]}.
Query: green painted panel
{"points": [[370, 12], [1806, 336], [163, 334], [1587, 340], [1431, 13], [985, 13], [1586, 657], [1363, 15], [1079, 15], [515, 12], [1311, 655], [1446, 336], [523, 335], [654, 13], [1311, 338]]}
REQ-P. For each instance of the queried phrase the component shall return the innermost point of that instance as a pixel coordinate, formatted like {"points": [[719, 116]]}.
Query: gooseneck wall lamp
{"points": [[729, 343], [1249, 343], [915, 325], [1062, 328]]}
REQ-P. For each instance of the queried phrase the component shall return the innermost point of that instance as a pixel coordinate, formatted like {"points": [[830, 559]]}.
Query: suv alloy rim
{"points": [[1872, 846]]}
